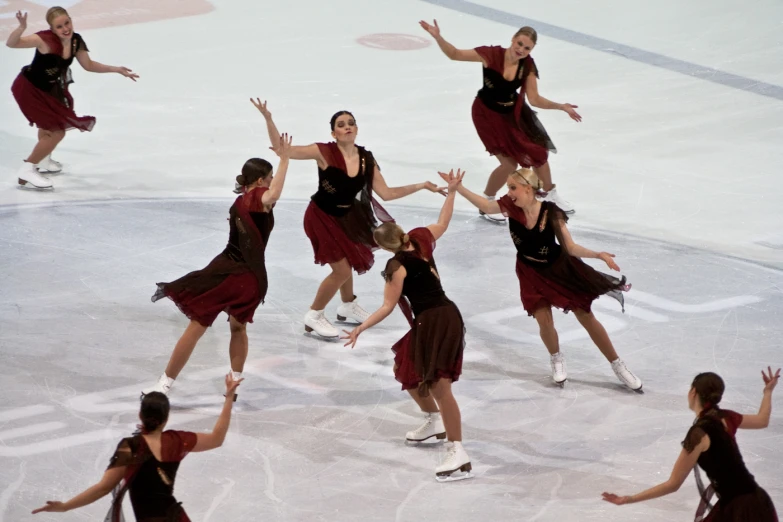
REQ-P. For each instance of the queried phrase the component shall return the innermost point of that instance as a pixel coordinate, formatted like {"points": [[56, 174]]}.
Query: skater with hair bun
{"points": [[711, 445], [41, 89], [507, 126], [235, 281], [550, 270], [146, 464], [341, 217], [428, 359]]}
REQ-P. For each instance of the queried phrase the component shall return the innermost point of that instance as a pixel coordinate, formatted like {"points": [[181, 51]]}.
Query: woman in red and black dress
{"points": [[146, 464], [550, 270], [711, 445], [235, 281], [342, 215], [507, 126], [41, 89], [429, 357]]}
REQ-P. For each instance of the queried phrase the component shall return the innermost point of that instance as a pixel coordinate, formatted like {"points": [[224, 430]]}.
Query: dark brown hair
{"points": [[154, 411], [709, 388], [333, 121], [253, 170]]}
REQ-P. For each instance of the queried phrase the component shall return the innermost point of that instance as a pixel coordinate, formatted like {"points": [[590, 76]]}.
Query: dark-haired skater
{"points": [[341, 216], [235, 281], [146, 464], [711, 444]]}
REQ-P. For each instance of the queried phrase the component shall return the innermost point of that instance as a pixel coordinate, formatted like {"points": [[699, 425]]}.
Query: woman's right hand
{"points": [[52, 506], [283, 148], [22, 18], [261, 108], [770, 381], [231, 385], [433, 29]]}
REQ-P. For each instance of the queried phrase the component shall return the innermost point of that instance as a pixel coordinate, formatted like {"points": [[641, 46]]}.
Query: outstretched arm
{"points": [[439, 228], [391, 296], [297, 152], [388, 193], [88, 64], [536, 100], [208, 441], [682, 468], [564, 236], [460, 55], [283, 150], [487, 206], [761, 419], [110, 479]]}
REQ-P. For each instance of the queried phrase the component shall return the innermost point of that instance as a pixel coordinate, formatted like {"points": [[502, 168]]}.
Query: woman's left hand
{"points": [[615, 499], [127, 73], [432, 187], [569, 109], [607, 258], [352, 336]]}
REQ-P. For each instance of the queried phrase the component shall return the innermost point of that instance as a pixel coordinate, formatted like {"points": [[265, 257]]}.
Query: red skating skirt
{"points": [[222, 286], [502, 135], [568, 284], [431, 350], [331, 243], [45, 111], [756, 506]]}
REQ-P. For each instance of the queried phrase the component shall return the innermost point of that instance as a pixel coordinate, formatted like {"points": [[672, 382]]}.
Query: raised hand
{"points": [[615, 499], [261, 107], [52, 506], [568, 108], [22, 19], [452, 179], [231, 384], [127, 73], [770, 381], [607, 258], [433, 29], [283, 148]]}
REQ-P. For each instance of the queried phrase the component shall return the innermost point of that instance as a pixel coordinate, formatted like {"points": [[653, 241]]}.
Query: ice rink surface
{"points": [[674, 169]]}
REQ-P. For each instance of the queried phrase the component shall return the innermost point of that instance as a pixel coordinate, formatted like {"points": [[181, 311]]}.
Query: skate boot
{"points": [[493, 218], [163, 386], [27, 175], [456, 465], [554, 197], [432, 427], [559, 373], [626, 376], [352, 312], [314, 320], [49, 166]]}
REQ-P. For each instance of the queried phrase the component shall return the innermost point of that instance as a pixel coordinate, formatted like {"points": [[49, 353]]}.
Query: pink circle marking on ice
{"points": [[394, 41]]}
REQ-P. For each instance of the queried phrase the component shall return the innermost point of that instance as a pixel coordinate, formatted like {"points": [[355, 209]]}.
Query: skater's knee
{"points": [[507, 163], [236, 327], [441, 389], [583, 316], [57, 135], [544, 317], [341, 270]]}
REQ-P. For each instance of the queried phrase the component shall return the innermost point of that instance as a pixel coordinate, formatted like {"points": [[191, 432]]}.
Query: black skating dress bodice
{"points": [[537, 246], [421, 285], [50, 72], [337, 191]]}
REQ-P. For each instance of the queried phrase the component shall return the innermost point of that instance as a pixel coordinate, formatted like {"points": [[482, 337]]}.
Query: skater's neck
{"points": [[348, 149]]}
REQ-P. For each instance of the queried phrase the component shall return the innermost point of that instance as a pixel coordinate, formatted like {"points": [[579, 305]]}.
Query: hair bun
{"points": [[241, 180], [406, 239]]}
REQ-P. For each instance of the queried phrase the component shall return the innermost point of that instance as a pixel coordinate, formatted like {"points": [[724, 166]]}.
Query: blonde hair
{"points": [[529, 32], [527, 177], [391, 237], [54, 12]]}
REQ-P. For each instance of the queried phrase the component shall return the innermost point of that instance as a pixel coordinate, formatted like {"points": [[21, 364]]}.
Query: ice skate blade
{"points": [[309, 332], [492, 220], [24, 184], [461, 473], [351, 320], [561, 384], [440, 437]]}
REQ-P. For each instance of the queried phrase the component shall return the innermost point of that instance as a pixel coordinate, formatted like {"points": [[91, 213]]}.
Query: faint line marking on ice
{"points": [[5, 497], [219, 498], [552, 498], [269, 491], [628, 52], [412, 493]]}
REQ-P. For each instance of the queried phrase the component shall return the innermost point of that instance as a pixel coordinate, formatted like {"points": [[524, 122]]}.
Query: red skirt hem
{"points": [[331, 244], [45, 111], [501, 135]]}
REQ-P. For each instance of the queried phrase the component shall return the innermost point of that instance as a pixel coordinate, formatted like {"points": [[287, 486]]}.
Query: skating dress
{"points": [[235, 281], [433, 347], [41, 89], [149, 480], [340, 218], [504, 121], [548, 275], [740, 499]]}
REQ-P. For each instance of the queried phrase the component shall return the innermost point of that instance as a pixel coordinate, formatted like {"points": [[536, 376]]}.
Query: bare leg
{"points": [[546, 327], [597, 334], [237, 348], [341, 273], [500, 175], [449, 409], [427, 404], [545, 175], [47, 141], [184, 348], [346, 290]]}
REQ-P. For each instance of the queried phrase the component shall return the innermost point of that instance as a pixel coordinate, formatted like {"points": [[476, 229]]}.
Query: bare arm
{"points": [[487, 206], [208, 441], [564, 236], [439, 228], [17, 41], [761, 419], [459, 55], [90, 65], [682, 468], [388, 193], [391, 296], [271, 196], [109, 480], [536, 100], [297, 152]]}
